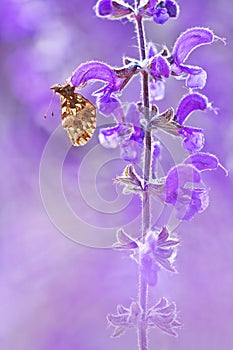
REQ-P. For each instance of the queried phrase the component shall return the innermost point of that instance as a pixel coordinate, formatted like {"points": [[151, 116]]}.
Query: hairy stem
{"points": [[146, 219]]}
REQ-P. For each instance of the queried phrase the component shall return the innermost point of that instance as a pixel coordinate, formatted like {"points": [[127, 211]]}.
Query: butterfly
{"points": [[78, 114]]}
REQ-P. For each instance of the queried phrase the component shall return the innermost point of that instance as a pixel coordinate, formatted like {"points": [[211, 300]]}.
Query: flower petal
{"points": [[118, 331], [112, 9], [194, 139], [95, 70], [164, 316], [151, 3], [133, 115], [203, 161], [198, 203], [112, 137], [104, 8], [177, 178], [160, 15], [163, 10], [163, 235], [197, 80], [131, 150], [156, 151], [152, 50], [108, 104], [124, 241], [149, 270], [188, 104], [189, 41], [182, 192], [157, 90], [159, 67], [172, 8]]}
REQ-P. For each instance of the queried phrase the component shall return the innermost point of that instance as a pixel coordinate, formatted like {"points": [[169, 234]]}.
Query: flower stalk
{"points": [[146, 215]]}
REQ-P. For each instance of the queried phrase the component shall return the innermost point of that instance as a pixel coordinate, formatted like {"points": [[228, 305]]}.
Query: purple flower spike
{"points": [[112, 9], [203, 161], [190, 103], [194, 139], [181, 191], [185, 44]]}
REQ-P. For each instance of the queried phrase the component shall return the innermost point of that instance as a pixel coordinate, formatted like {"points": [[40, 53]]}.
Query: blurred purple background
{"points": [[54, 292]]}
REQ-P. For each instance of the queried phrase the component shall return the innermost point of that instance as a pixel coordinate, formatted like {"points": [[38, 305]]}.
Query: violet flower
{"points": [[183, 188], [128, 135], [193, 137], [157, 90], [124, 240], [173, 123], [203, 161], [184, 191], [125, 318], [161, 65], [114, 80], [164, 316], [158, 251], [159, 68], [160, 11], [113, 9], [184, 45]]}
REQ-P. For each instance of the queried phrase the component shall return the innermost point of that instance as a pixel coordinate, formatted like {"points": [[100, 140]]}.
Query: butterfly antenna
{"points": [[49, 106]]}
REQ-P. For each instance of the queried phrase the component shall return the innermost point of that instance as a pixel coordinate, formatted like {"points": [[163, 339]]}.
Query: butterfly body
{"points": [[78, 114]]}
